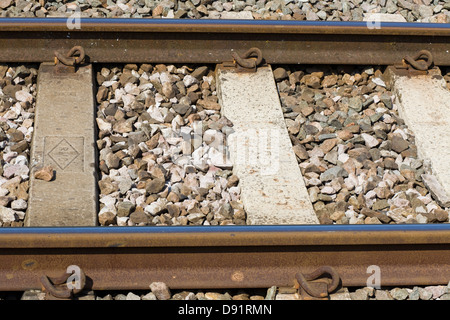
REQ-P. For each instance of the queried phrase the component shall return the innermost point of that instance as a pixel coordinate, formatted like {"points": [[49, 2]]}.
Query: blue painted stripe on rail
{"points": [[145, 21], [225, 229]]}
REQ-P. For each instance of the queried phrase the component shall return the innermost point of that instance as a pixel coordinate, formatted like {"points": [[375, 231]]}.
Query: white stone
{"points": [[8, 156], [156, 207], [399, 202], [132, 296], [128, 99], [19, 204], [7, 214], [436, 189], [105, 209], [103, 125], [379, 82], [246, 15], [189, 80], [370, 140], [20, 214], [21, 160], [10, 171], [11, 115], [211, 135], [375, 17], [24, 96], [328, 190], [343, 157], [421, 219], [108, 83], [3, 192], [219, 159], [122, 221], [206, 181], [108, 200]]}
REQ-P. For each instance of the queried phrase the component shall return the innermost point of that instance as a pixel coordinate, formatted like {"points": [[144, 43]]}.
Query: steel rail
{"points": [[225, 256], [212, 41]]}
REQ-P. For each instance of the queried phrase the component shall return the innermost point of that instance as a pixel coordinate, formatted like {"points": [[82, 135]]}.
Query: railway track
{"points": [[167, 243]]}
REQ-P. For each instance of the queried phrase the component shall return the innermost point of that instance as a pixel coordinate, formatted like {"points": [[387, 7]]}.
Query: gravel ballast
{"points": [[358, 158], [160, 291], [437, 11], [17, 103], [162, 148]]}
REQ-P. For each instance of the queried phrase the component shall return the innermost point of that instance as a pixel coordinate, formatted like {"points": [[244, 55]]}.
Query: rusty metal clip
{"points": [[310, 287], [249, 61], [70, 59], [417, 61], [68, 62], [62, 288]]}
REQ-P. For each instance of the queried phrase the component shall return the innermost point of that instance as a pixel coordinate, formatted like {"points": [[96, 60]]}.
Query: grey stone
{"points": [[414, 294], [425, 11], [399, 293], [271, 293], [106, 218], [398, 144], [436, 291], [391, 7], [125, 184], [383, 295], [124, 208], [280, 74], [387, 100], [341, 294], [134, 138], [445, 296], [355, 103], [326, 136], [139, 217], [436, 190], [160, 290], [154, 185], [149, 296], [181, 108], [333, 173], [380, 204], [106, 186], [359, 294], [200, 72], [424, 294], [132, 296], [31, 295]]}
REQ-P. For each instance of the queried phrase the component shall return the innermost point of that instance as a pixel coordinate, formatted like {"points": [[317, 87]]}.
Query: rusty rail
{"points": [[224, 256], [212, 41]]}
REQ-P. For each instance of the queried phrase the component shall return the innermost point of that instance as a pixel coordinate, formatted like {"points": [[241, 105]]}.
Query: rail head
{"points": [[123, 25], [225, 236]]}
